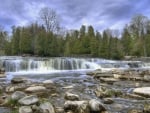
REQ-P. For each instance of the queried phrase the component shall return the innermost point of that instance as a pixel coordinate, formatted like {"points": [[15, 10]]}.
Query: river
{"points": [[71, 72]]}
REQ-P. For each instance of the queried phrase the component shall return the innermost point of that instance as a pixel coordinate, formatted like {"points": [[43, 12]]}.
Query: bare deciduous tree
{"points": [[49, 19], [139, 24]]}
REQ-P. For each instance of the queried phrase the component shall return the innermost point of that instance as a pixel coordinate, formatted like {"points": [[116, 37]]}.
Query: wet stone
{"points": [[16, 80], [108, 101], [33, 89], [46, 107], [28, 100], [145, 91], [76, 106], [135, 111], [18, 95], [96, 106], [109, 80], [147, 78], [2, 75], [71, 96], [147, 108], [25, 109], [48, 82], [59, 110]]}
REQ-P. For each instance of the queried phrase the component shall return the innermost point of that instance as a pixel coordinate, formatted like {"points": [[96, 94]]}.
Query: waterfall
{"points": [[18, 64], [47, 64]]}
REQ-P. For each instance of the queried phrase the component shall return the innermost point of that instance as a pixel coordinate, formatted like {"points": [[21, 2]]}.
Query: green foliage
{"points": [[12, 102], [1, 91], [15, 41], [110, 93], [3, 38], [37, 40], [14, 111]]}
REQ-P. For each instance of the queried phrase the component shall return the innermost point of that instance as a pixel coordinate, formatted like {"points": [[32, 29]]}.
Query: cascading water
{"points": [[47, 64], [17, 64], [34, 66]]}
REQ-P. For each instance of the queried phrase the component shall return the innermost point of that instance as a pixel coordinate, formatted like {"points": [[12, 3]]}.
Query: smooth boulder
{"points": [[25, 109], [76, 106], [108, 101], [16, 80], [46, 108], [96, 106], [144, 91], [147, 78], [109, 80], [12, 88], [2, 75], [18, 95], [34, 89], [70, 96], [147, 108], [29, 100], [2, 70]]}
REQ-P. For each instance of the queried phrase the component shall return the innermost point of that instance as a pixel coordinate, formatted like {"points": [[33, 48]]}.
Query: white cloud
{"points": [[101, 14]]}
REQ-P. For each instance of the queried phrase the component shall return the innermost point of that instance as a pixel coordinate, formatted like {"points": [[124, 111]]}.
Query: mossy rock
{"points": [[147, 108]]}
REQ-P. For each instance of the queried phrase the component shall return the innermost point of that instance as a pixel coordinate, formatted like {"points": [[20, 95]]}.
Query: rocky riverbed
{"points": [[115, 91]]}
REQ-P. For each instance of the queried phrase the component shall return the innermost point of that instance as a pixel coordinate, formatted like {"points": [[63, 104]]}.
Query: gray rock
{"points": [[135, 111], [104, 75], [29, 100], [59, 110], [46, 108], [16, 80], [98, 71], [1, 88], [109, 80], [2, 75], [70, 96], [147, 78], [2, 101], [76, 106], [135, 96], [100, 91], [25, 109], [147, 108], [18, 95], [33, 89], [13, 88], [120, 76], [68, 87], [108, 101], [144, 91], [2, 71], [35, 108], [10, 89], [128, 74], [90, 73], [96, 106]]}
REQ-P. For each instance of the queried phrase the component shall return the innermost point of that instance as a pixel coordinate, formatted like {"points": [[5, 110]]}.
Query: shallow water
{"points": [[73, 78]]}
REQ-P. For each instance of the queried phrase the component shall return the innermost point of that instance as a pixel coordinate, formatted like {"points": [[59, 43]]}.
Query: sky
{"points": [[101, 14]]}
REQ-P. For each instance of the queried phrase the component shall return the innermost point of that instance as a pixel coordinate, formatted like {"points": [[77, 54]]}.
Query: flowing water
{"points": [[29, 66], [71, 72]]}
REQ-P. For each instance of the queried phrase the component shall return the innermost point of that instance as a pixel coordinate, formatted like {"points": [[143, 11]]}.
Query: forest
{"points": [[48, 38]]}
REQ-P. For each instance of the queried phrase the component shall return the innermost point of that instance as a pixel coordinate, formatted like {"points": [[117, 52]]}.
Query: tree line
{"points": [[46, 40]]}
